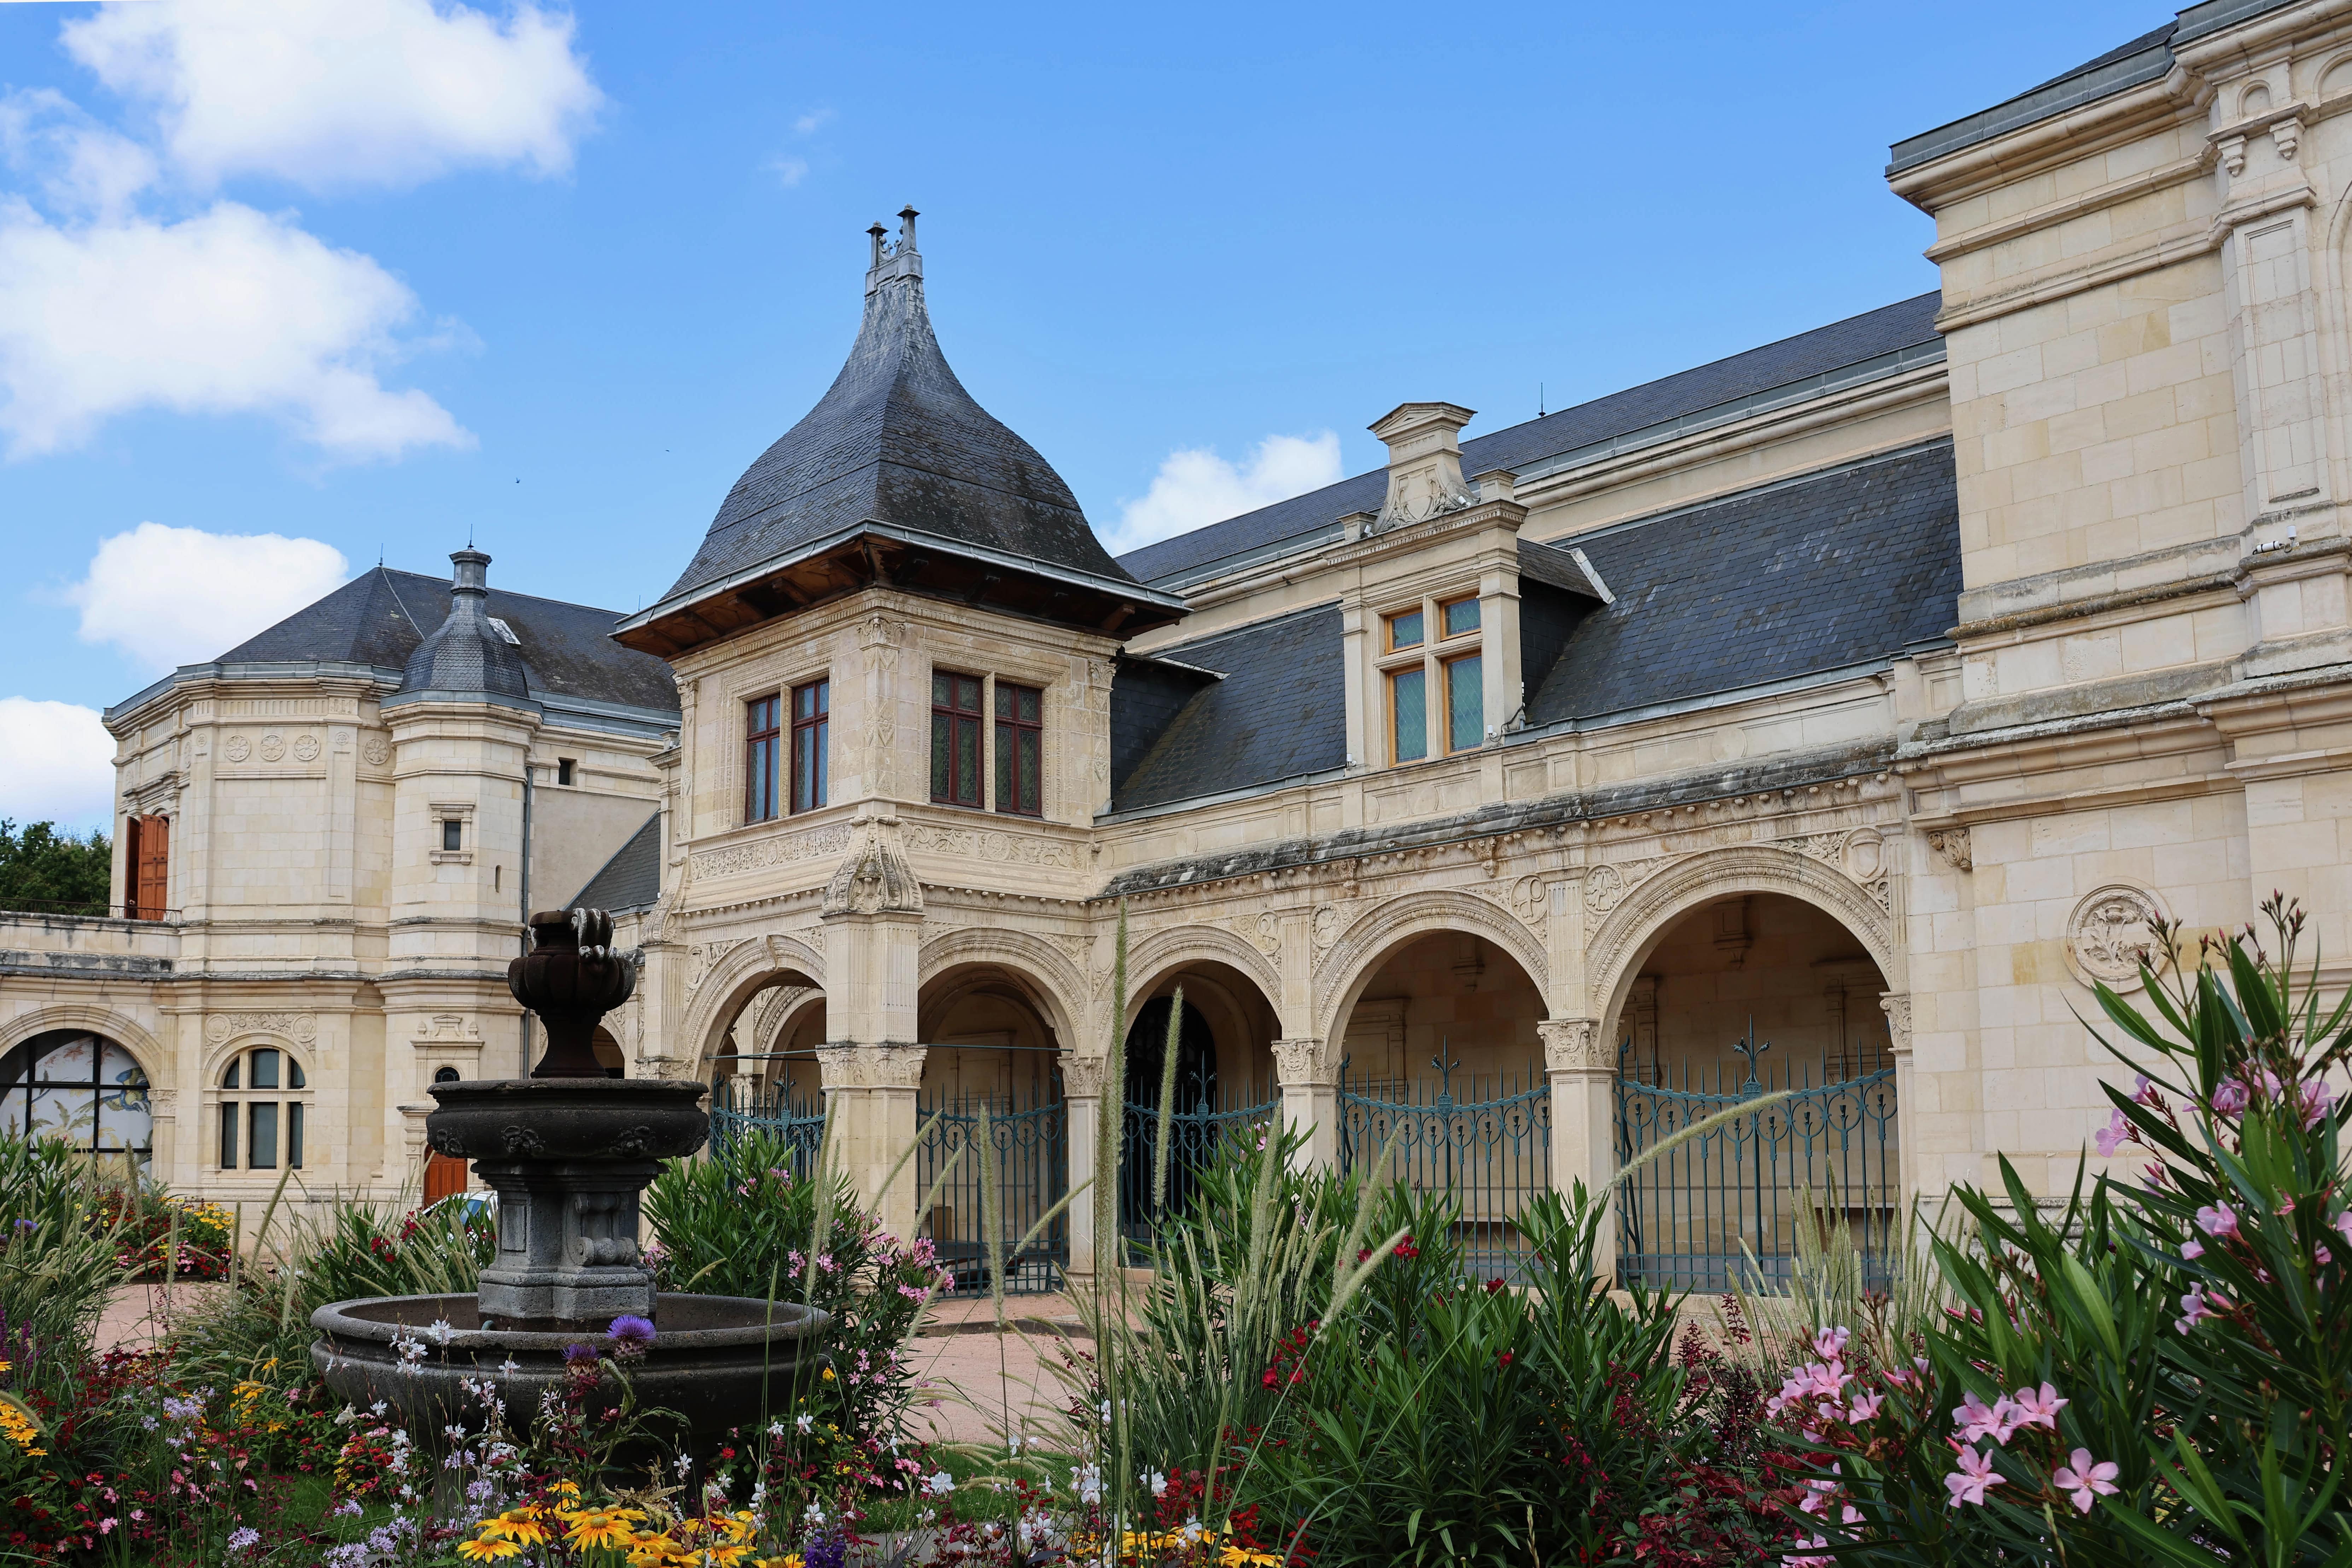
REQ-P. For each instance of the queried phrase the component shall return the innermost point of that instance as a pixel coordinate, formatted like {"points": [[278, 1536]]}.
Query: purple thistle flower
{"points": [[580, 1355], [631, 1335]]}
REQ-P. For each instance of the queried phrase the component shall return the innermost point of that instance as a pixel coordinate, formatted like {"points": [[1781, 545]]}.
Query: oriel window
{"points": [[761, 735], [955, 739], [1020, 749], [812, 722]]}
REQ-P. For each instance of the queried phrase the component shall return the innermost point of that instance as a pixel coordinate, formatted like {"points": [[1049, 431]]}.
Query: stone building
{"points": [[1831, 715]]}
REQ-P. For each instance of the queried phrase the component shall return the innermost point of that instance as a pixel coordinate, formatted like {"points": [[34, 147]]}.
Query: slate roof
{"points": [[1842, 567], [631, 879], [897, 439], [382, 615], [1813, 574], [466, 656], [1276, 714], [1904, 324], [2145, 58]]}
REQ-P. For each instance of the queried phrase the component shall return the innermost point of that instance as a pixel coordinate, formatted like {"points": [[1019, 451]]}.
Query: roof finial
{"points": [[877, 234], [907, 216]]}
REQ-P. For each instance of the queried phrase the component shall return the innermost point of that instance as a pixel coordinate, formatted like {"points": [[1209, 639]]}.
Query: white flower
{"points": [[244, 1540], [441, 1331], [1157, 1481], [685, 1463], [775, 1428], [941, 1484], [813, 1514]]}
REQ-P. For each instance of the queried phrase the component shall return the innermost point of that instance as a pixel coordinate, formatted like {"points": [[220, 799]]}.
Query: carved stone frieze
{"points": [[1573, 1045], [302, 1027], [871, 1067], [990, 845], [783, 849], [2108, 933]]}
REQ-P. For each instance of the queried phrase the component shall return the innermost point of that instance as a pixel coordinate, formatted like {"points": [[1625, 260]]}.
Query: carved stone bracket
{"points": [[1573, 1045], [871, 1067], [1304, 1061], [1952, 844], [1897, 1004], [877, 878]]}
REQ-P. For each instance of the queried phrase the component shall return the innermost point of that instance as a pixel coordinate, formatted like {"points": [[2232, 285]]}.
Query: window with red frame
{"points": [[1020, 749], [955, 739]]}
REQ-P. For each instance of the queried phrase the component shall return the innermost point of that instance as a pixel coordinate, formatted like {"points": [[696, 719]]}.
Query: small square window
{"points": [[1405, 630], [1461, 615], [453, 834], [563, 771]]}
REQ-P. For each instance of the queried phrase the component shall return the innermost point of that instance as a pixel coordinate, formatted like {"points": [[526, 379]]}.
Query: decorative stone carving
{"points": [[875, 880], [871, 1067], [1865, 854], [1528, 900], [377, 752], [302, 1027], [1082, 1076], [2107, 934], [1897, 1004], [236, 747], [1326, 927], [1265, 932], [1303, 1062], [273, 746], [1604, 886], [783, 849], [1952, 845], [704, 957], [306, 748], [1572, 1045], [990, 845], [2286, 135]]}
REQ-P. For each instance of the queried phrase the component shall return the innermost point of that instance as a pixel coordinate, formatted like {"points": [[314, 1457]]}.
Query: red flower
{"points": [[1506, 1358]]}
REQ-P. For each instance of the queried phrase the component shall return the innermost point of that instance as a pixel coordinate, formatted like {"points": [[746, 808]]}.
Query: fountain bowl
{"points": [[718, 1363]]}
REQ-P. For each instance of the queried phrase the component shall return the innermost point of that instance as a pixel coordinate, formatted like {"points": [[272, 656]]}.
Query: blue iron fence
{"points": [[1195, 1138], [1485, 1139], [1029, 1149], [740, 1105], [1827, 1158]]}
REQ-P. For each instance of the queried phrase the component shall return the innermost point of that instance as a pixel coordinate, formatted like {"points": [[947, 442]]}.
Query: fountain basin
{"points": [[717, 1361]]}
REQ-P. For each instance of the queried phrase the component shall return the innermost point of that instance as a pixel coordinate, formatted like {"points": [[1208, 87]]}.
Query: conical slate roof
{"points": [[896, 450], [465, 657]]}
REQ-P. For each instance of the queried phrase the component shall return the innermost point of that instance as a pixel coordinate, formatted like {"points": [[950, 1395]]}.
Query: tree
{"points": [[51, 872]]}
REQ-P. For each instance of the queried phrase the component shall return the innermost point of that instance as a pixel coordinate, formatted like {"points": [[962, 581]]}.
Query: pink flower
{"points": [[2229, 1097], [2143, 1091], [1865, 1407], [1818, 1497], [2218, 1219], [1807, 1559], [2344, 1225], [1975, 1420], [1830, 1343], [1968, 1484], [2118, 1131], [2192, 1247], [2040, 1408], [2269, 1081], [2313, 1097], [2193, 1306], [2083, 1478]]}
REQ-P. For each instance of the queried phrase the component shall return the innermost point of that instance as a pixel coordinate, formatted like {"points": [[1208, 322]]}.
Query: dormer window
{"points": [[1437, 686], [505, 631]]}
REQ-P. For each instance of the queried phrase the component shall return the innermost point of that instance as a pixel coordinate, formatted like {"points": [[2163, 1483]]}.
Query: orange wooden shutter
{"points": [[153, 845], [131, 866], [444, 1176]]}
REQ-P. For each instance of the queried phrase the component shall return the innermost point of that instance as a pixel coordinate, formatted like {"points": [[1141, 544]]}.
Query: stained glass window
{"points": [[79, 1087]]}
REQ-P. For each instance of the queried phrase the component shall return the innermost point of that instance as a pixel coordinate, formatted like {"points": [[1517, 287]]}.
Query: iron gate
{"points": [[1489, 1145], [1196, 1137], [1826, 1157], [1029, 1153], [739, 1106]]}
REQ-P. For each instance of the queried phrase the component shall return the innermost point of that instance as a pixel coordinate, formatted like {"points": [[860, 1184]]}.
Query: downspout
{"points": [[522, 1069]]}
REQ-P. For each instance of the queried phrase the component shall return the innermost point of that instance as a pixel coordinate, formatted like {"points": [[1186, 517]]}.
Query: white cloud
{"points": [[168, 596], [229, 311], [60, 764], [788, 172], [1195, 487], [331, 94], [813, 121]]}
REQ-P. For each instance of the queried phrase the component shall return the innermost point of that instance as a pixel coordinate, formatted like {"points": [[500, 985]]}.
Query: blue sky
{"points": [[378, 277]]}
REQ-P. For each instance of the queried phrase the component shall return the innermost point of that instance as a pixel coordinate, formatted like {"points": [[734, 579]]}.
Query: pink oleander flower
{"points": [[2040, 1407], [1863, 1408], [1830, 1343], [2269, 1083], [2082, 1478], [2343, 1223], [2195, 1310], [2118, 1131], [1818, 1497], [1809, 1558], [2143, 1091], [1976, 1420], [1968, 1484], [2313, 1097], [2218, 1219], [2229, 1098], [2192, 1247]]}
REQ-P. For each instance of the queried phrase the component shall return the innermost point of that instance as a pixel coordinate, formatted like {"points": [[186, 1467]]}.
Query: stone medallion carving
{"points": [[1528, 900], [306, 748], [1604, 886], [1327, 926], [1865, 856], [378, 751], [236, 747], [2108, 932], [273, 746]]}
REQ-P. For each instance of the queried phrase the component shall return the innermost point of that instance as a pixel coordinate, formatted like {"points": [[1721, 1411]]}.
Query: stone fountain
{"points": [[569, 1152]]}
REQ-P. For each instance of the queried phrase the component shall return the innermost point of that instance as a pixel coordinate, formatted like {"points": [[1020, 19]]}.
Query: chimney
{"points": [[1424, 442]]}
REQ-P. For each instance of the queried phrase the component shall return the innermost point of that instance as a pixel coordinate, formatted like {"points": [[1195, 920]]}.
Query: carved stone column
{"points": [[1897, 1004], [870, 1090], [873, 916], [1582, 1072], [1310, 1099], [1082, 1094]]}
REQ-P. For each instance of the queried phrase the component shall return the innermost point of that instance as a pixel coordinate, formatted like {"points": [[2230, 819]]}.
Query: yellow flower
{"points": [[600, 1526], [726, 1556], [1239, 1557], [827, 1374], [652, 1549], [487, 1549], [519, 1525], [789, 1559], [19, 1428]]}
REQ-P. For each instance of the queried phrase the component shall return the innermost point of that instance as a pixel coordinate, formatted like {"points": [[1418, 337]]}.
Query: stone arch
{"points": [[1149, 961], [1062, 989], [97, 1019], [1614, 953], [744, 968], [1349, 965]]}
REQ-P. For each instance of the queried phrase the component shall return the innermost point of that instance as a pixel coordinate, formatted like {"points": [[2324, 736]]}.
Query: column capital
{"points": [[871, 1067], [1082, 1076], [1897, 1006], [1304, 1062], [1574, 1044]]}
